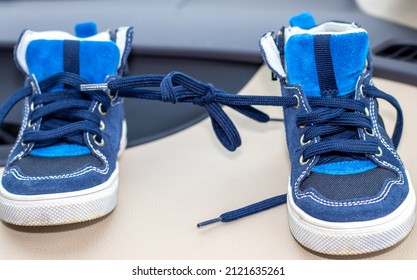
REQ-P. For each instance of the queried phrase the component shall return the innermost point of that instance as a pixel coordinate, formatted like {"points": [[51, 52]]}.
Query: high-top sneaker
{"points": [[63, 168], [348, 191]]}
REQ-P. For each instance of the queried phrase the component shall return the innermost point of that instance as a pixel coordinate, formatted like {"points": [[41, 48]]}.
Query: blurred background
{"points": [[215, 41]]}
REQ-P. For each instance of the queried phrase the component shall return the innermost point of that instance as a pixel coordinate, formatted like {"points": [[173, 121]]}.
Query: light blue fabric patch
{"points": [[304, 20], [349, 54], [64, 150], [301, 63], [345, 167], [98, 60], [85, 29], [45, 58]]}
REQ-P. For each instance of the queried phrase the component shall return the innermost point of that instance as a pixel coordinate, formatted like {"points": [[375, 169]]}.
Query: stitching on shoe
{"points": [[22, 129], [19, 176], [300, 95], [26, 112], [384, 193], [400, 181], [114, 104], [104, 171], [378, 133]]}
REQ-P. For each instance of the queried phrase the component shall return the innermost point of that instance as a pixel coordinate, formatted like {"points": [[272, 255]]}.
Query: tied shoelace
{"points": [[64, 115], [59, 111], [177, 87], [330, 117], [61, 106], [342, 116]]}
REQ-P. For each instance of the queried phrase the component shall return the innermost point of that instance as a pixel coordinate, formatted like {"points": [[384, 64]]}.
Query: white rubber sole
{"points": [[62, 208], [352, 238]]}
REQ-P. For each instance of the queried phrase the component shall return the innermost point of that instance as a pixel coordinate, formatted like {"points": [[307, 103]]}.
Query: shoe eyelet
{"points": [[102, 126], [30, 124], [366, 111], [32, 106], [112, 97], [369, 132], [23, 144], [302, 161], [379, 154], [302, 142], [100, 109], [98, 143], [298, 101], [32, 84], [361, 90]]}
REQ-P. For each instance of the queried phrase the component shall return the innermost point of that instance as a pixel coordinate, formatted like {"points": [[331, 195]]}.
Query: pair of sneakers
{"points": [[63, 167], [348, 190]]}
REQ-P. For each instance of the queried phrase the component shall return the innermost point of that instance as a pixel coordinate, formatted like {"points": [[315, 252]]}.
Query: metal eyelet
{"points": [[302, 161], [112, 97], [379, 154], [361, 90], [100, 109], [370, 133], [298, 101], [30, 124], [32, 106], [102, 126], [367, 111], [23, 144], [302, 142], [98, 143]]}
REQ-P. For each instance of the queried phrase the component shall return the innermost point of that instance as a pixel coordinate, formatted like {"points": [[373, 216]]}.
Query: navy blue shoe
{"points": [[63, 168], [348, 191]]}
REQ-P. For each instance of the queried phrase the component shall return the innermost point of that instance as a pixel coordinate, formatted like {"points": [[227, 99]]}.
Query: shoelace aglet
{"points": [[209, 222], [247, 210], [90, 87]]}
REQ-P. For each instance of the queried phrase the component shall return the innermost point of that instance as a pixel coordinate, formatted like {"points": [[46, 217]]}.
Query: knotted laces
{"points": [[61, 111]]}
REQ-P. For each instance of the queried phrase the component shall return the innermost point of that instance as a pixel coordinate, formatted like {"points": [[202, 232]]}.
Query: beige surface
{"points": [[169, 185], [399, 11]]}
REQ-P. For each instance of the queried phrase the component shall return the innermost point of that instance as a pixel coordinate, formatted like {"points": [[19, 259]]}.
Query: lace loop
{"points": [[167, 89], [374, 92], [177, 87], [330, 117]]}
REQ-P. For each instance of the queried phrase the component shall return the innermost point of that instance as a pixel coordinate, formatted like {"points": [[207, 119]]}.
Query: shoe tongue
{"points": [[44, 54], [326, 63]]}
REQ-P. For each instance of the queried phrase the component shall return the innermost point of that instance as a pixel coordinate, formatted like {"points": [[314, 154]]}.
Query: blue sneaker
{"points": [[348, 192], [63, 168]]}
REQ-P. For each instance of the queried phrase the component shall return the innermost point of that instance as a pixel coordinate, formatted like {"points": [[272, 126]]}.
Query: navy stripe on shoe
{"points": [[72, 56], [324, 64]]}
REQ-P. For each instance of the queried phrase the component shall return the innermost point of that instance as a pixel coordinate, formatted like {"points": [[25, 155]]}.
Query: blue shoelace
{"points": [[63, 116], [64, 105], [330, 117], [61, 113], [177, 87]]}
